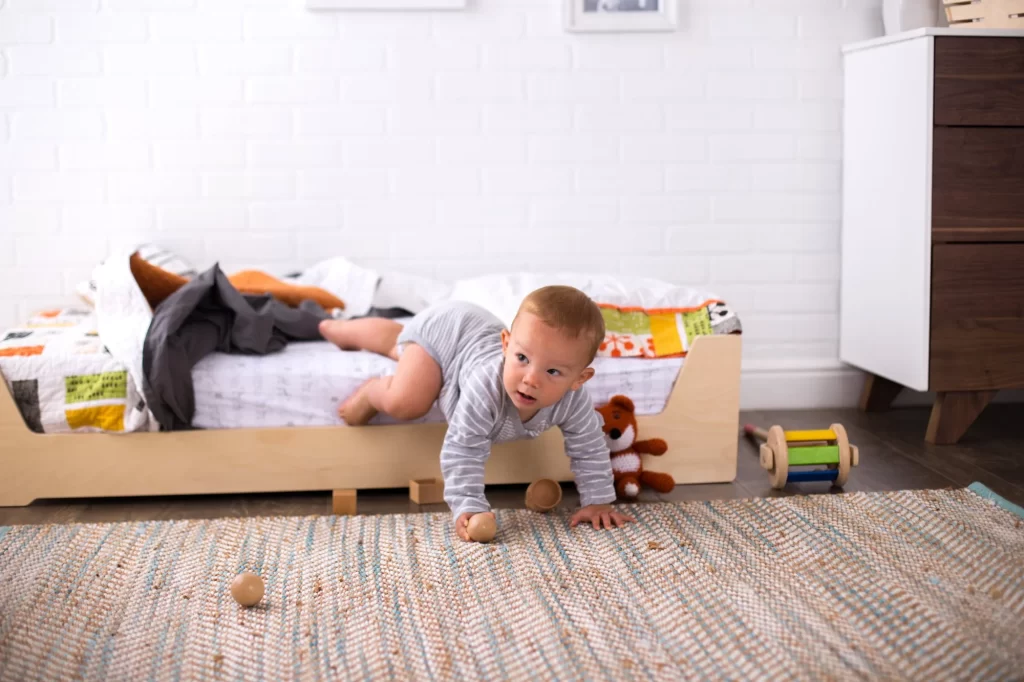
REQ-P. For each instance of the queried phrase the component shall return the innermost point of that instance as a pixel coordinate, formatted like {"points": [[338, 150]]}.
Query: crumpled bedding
{"points": [[205, 315]]}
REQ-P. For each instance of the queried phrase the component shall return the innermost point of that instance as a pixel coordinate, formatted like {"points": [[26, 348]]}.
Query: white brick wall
{"points": [[257, 133]]}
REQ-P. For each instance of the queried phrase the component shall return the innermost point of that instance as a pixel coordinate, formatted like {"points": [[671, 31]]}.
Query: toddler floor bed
{"points": [[247, 443]]}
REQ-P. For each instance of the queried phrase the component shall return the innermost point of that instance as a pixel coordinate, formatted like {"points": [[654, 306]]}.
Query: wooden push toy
{"points": [[784, 449]]}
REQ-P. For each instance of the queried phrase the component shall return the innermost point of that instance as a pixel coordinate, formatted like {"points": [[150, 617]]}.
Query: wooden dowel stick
{"points": [[755, 432]]}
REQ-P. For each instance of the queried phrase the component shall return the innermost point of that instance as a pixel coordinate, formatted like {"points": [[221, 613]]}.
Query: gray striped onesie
{"points": [[465, 340]]}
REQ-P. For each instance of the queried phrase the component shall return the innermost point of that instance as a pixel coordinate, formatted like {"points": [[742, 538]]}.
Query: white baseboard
{"points": [[808, 389], [792, 389]]}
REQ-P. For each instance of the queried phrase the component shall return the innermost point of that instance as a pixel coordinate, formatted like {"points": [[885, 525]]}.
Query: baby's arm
{"points": [[587, 451], [463, 457], [467, 445], [591, 464]]}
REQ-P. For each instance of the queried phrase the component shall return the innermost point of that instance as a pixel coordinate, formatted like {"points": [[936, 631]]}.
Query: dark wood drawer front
{"points": [[979, 81], [977, 317], [978, 179]]}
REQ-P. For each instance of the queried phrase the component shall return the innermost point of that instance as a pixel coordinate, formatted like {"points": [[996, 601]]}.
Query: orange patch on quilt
{"points": [[49, 313], [21, 351], [106, 417]]}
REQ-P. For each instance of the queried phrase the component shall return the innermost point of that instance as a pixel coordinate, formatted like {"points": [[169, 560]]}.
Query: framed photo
{"points": [[620, 15]]}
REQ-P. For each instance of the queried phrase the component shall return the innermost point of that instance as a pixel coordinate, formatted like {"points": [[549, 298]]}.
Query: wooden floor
{"points": [[893, 456]]}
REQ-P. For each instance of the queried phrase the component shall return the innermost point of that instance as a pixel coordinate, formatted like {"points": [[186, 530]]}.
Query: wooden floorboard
{"points": [[894, 456]]}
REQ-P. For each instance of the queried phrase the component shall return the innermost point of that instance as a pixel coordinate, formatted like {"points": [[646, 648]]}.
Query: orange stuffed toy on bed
{"points": [[256, 282], [620, 432], [157, 284]]}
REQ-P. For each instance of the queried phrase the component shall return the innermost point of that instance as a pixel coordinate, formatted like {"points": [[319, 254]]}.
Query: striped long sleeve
{"points": [[467, 445], [589, 458]]}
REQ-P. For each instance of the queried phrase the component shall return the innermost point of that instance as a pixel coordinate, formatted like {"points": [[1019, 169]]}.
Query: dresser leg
{"points": [[953, 413], [878, 394]]}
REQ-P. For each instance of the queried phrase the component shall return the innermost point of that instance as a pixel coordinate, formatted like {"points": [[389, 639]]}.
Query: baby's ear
{"points": [[585, 376], [505, 336]]}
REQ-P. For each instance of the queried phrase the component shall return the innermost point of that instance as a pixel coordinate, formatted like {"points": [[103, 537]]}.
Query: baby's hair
{"points": [[569, 310]]}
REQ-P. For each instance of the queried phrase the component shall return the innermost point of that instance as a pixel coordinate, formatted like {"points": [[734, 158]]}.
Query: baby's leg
{"points": [[407, 395], [375, 334]]}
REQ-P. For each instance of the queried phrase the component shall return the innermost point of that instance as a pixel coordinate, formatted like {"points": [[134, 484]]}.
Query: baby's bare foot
{"points": [[357, 410], [332, 330]]}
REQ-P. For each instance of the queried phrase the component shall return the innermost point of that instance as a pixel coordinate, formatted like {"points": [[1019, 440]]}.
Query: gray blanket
{"points": [[206, 315]]}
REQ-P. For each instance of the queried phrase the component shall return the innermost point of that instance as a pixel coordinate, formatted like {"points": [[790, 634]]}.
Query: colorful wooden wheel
{"points": [[781, 451], [845, 456], [779, 471]]}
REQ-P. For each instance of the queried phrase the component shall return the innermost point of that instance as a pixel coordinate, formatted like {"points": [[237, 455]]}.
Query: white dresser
{"points": [[932, 288]]}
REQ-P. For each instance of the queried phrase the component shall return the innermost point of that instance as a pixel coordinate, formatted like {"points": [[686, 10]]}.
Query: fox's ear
{"points": [[623, 402]]}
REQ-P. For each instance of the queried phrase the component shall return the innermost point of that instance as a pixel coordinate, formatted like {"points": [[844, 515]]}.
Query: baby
{"points": [[492, 385]]}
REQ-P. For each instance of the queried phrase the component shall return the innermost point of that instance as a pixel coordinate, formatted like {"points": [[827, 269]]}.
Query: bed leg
{"points": [[15, 499], [426, 491], [343, 502]]}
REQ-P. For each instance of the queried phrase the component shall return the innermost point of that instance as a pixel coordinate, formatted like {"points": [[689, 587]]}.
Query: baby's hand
{"points": [[462, 525], [599, 514]]}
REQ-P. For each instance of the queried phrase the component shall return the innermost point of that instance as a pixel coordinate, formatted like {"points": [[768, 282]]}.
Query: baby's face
{"points": [[541, 364]]}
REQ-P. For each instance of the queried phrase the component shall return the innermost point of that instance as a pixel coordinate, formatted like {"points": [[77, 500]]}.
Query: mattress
{"points": [[304, 384], [64, 380]]}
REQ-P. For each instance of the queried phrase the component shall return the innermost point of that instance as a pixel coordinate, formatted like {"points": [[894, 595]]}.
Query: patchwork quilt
{"points": [[63, 379], [632, 332]]}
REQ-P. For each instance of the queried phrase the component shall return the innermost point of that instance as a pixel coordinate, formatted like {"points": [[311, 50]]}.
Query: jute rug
{"points": [[925, 585]]}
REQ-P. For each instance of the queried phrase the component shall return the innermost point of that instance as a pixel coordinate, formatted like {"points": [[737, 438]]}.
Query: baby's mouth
{"points": [[525, 398]]}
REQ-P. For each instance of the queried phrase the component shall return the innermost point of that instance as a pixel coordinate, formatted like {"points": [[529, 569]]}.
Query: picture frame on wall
{"points": [[620, 15]]}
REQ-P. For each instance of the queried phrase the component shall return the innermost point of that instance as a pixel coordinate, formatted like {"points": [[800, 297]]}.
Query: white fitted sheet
{"points": [[304, 384]]}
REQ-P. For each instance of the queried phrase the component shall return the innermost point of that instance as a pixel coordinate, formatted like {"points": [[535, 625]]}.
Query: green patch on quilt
{"points": [[697, 323], [106, 386], [633, 322]]}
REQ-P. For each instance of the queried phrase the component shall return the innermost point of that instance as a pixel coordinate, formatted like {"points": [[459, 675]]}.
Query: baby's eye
{"points": [[554, 372], [520, 357]]}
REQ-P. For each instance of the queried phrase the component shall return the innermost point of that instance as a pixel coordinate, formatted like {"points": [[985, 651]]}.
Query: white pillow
{"points": [[365, 288]]}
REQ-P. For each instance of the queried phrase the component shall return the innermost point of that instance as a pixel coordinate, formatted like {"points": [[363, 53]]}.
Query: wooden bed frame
{"points": [[700, 423]]}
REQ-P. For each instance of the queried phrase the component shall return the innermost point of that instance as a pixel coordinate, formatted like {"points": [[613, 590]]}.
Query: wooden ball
{"points": [[543, 495], [482, 527], [247, 589]]}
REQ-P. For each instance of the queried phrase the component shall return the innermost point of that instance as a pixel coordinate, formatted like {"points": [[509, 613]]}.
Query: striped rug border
{"points": [[982, 490]]}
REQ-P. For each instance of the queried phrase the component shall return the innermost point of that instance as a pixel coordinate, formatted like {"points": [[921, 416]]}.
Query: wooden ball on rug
{"points": [[482, 528], [543, 495], [247, 589]]}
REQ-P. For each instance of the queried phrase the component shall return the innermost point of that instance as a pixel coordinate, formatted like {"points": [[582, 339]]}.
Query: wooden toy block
{"points": [[426, 491], [343, 502]]}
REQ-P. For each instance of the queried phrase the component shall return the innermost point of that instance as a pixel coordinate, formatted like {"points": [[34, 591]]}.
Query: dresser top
{"points": [[941, 31]]}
